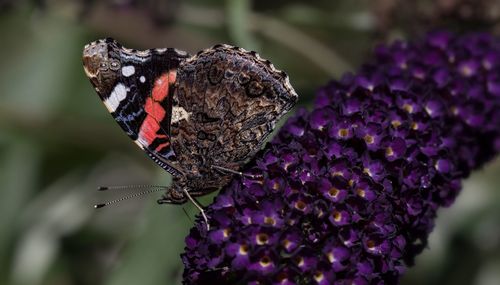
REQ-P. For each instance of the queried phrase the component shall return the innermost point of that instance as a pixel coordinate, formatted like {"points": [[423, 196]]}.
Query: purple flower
{"points": [[350, 190]]}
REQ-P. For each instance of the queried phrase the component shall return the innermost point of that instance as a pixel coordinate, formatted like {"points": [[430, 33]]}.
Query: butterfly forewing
{"points": [[136, 87]]}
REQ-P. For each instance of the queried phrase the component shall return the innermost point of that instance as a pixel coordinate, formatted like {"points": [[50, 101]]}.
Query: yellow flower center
{"points": [[368, 139], [319, 276], [414, 126], [367, 171], [389, 151], [300, 205], [337, 173], [343, 133], [361, 192], [265, 261], [286, 243], [300, 261], [396, 123], [337, 216], [331, 257], [243, 249], [333, 192], [262, 239], [269, 221], [276, 186], [408, 108], [466, 71]]}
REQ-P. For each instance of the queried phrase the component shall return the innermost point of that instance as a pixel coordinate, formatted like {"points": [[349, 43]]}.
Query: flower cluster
{"points": [[351, 188]]}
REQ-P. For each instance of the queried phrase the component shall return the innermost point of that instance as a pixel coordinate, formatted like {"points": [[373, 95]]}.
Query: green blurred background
{"points": [[58, 142]]}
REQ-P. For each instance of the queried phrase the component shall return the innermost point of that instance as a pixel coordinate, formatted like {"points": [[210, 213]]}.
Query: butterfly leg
{"points": [[227, 170], [198, 206], [175, 196], [172, 196]]}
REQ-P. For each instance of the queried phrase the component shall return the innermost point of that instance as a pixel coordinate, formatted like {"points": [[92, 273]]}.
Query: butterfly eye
{"points": [[103, 66], [115, 65]]}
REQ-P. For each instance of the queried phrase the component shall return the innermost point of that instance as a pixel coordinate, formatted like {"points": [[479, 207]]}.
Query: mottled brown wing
{"points": [[226, 102]]}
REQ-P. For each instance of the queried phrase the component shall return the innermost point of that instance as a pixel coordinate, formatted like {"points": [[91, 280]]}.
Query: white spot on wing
{"points": [[179, 113], [140, 143], [134, 57], [117, 95], [142, 79], [128, 70], [181, 52]]}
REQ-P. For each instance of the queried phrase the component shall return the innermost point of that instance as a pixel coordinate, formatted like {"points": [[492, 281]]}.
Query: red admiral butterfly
{"points": [[199, 117]]}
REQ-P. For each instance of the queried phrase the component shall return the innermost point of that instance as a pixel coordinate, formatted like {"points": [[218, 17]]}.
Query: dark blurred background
{"points": [[58, 142]]}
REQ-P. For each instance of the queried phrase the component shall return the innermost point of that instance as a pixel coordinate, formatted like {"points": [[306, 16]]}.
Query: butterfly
{"points": [[200, 117]]}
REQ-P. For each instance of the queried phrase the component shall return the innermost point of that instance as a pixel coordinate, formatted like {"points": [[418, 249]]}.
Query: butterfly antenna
{"points": [[97, 206], [125, 187]]}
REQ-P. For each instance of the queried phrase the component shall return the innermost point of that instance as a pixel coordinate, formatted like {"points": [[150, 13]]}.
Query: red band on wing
{"points": [[154, 109], [155, 112], [160, 89], [172, 76], [161, 146], [148, 130]]}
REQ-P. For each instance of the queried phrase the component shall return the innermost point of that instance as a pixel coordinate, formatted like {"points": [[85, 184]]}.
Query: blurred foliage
{"points": [[417, 16], [57, 142]]}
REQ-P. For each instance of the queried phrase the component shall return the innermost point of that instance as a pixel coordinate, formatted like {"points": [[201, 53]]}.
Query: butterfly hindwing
{"points": [[230, 100]]}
